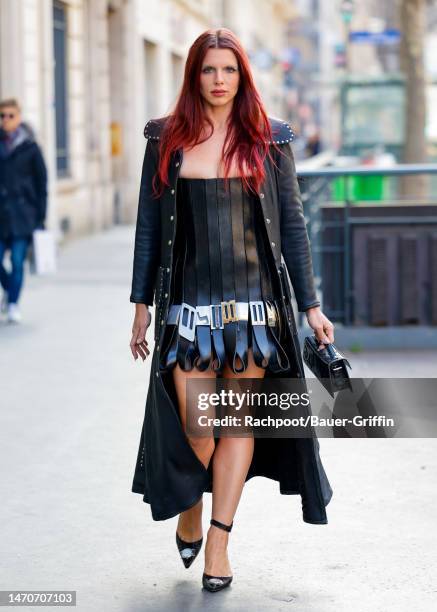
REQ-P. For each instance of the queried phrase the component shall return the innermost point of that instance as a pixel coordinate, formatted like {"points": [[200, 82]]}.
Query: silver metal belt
{"points": [[187, 317]]}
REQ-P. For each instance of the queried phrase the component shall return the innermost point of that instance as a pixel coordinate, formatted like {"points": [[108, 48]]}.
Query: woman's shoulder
{"points": [[282, 131], [153, 127]]}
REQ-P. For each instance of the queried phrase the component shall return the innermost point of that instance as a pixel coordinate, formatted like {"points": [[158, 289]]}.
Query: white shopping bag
{"points": [[43, 252]]}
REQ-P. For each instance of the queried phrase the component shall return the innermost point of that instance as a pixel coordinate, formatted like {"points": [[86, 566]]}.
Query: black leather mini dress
{"points": [[224, 297]]}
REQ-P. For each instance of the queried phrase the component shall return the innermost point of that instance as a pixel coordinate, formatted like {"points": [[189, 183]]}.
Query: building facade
{"points": [[90, 73]]}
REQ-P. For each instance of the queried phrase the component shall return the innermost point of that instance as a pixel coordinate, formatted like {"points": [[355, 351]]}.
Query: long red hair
{"points": [[249, 130]]}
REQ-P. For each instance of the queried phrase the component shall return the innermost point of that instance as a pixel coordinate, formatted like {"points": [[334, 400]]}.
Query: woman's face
{"points": [[219, 77]]}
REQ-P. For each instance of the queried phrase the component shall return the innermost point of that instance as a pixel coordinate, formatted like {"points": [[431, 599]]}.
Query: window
{"points": [[60, 77]]}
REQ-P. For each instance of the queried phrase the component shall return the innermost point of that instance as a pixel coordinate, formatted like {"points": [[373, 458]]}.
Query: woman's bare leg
{"points": [[231, 462], [190, 522]]}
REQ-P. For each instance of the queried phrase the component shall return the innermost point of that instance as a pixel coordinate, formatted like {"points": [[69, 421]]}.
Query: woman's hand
{"points": [[322, 326], [138, 344]]}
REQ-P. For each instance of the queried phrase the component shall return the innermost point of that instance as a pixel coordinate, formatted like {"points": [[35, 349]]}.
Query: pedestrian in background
{"points": [[312, 146], [23, 200]]}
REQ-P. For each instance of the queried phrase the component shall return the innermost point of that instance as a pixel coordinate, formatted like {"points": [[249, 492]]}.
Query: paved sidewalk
{"points": [[71, 414]]}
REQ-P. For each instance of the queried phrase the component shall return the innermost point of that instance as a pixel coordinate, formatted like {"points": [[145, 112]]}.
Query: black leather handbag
{"points": [[328, 365]]}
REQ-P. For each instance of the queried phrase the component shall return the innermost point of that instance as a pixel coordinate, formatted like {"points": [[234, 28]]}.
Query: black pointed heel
{"points": [[217, 583], [188, 550]]}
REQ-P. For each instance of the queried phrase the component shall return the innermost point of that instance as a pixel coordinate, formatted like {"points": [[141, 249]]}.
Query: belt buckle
{"points": [[187, 330], [203, 315], [229, 311], [243, 311], [216, 316], [257, 313], [271, 314]]}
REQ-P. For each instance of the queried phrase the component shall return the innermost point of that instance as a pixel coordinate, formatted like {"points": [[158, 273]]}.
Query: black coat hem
{"points": [[139, 489]]}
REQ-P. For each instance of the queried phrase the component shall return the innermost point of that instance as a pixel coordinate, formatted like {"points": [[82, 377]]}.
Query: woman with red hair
{"points": [[213, 219]]}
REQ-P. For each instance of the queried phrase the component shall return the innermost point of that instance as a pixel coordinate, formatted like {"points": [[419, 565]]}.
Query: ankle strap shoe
{"points": [[221, 525], [217, 583]]}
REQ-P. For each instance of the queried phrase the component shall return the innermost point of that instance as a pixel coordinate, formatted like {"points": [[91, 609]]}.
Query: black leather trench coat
{"points": [[168, 473]]}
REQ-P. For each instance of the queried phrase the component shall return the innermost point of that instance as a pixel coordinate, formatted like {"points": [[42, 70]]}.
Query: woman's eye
{"points": [[229, 69]]}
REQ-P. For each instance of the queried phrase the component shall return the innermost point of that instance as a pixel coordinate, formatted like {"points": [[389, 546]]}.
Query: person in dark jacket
{"points": [[23, 200]]}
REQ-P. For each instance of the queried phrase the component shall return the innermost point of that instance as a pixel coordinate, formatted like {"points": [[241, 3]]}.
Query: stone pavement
{"points": [[71, 414]]}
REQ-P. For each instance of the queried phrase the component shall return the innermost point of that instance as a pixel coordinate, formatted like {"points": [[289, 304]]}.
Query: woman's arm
{"points": [[294, 236], [147, 234], [296, 248]]}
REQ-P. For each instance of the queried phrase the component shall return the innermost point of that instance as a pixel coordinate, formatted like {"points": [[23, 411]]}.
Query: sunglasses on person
{"points": [[7, 115]]}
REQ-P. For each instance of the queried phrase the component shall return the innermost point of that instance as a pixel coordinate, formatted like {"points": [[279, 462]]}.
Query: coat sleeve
{"points": [[147, 234], [295, 244], [40, 180]]}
